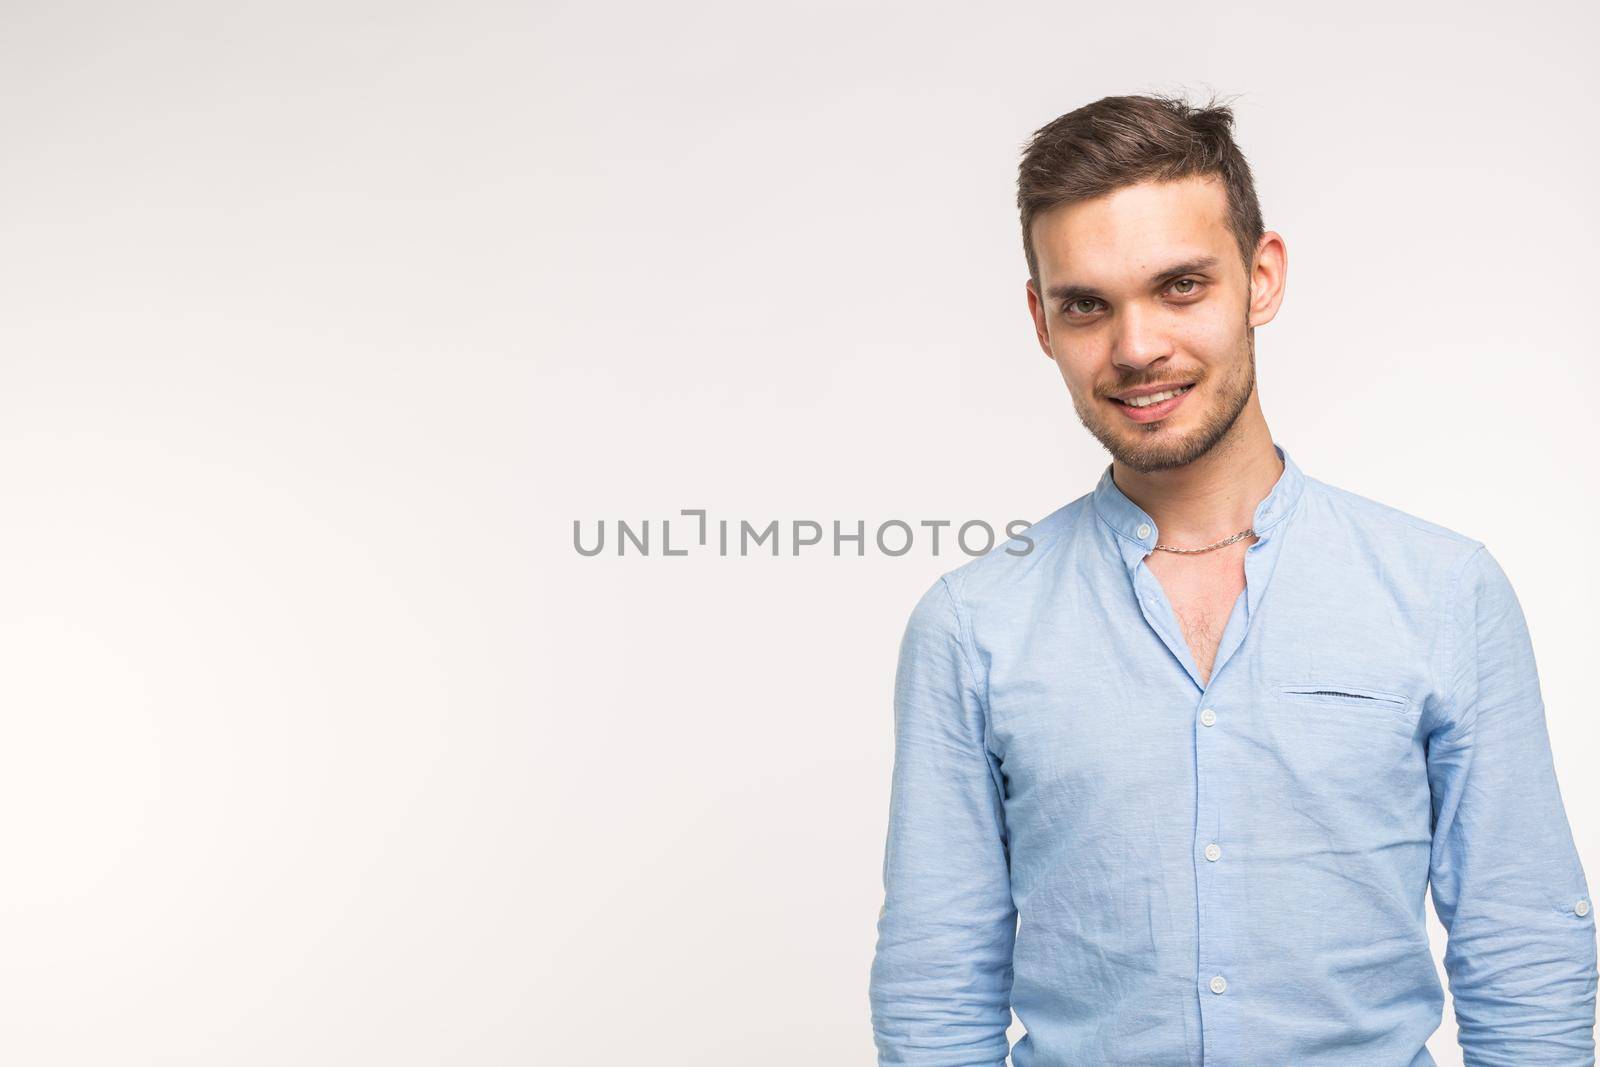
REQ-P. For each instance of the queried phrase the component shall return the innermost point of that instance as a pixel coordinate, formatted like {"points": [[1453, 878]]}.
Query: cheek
{"points": [[1215, 334], [1079, 370]]}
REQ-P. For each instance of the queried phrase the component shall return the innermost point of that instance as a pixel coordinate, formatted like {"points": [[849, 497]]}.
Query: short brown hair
{"points": [[1123, 140]]}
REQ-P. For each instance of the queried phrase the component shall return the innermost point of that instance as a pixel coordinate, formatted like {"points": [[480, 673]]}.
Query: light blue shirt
{"points": [[1227, 873]]}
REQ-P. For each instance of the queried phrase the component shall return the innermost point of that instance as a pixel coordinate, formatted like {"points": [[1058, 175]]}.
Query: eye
{"points": [[1067, 309], [1194, 283]]}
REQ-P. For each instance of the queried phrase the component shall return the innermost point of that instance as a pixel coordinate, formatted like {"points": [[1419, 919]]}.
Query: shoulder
{"points": [[987, 598], [1358, 512], [1020, 564], [1340, 523]]}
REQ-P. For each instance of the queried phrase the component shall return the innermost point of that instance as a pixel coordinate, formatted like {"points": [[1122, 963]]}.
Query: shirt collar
{"points": [[1130, 522]]}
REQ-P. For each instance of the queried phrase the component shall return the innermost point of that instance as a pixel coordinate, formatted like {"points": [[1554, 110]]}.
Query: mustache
{"points": [[1170, 383]]}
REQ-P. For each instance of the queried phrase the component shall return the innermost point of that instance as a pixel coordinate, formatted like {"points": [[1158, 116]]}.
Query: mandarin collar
{"points": [[1138, 532]]}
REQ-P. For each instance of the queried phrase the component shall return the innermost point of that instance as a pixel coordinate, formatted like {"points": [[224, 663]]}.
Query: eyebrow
{"points": [[1069, 291]]}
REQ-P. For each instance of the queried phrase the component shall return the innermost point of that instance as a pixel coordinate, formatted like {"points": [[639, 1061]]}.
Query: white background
{"points": [[320, 324]]}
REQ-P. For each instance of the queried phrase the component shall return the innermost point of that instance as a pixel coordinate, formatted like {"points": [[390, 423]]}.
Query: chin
{"points": [[1162, 445]]}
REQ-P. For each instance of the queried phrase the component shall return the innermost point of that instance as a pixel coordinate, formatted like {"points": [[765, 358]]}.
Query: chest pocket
{"points": [[1374, 707], [1341, 737], [1395, 705]]}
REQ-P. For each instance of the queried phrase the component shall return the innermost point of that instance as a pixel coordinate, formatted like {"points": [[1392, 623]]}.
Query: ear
{"points": [[1041, 327], [1267, 278]]}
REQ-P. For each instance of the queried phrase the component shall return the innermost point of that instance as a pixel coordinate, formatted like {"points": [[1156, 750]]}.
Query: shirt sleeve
{"points": [[941, 977], [1506, 878]]}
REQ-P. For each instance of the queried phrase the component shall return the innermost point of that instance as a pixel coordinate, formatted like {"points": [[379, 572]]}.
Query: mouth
{"points": [[1153, 406]]}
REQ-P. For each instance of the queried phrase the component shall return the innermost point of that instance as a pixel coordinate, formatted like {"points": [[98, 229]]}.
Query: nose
{"points": [[1140, 339]]}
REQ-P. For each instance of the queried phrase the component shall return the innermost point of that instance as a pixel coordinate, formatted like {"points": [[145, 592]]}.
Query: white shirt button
{"points": [[1144, 530], [1218, 984], [1213, 852], [1581, 907], [1208, 717]]}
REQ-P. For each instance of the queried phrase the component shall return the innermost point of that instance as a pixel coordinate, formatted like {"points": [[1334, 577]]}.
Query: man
{"points": [[1212, 736]]}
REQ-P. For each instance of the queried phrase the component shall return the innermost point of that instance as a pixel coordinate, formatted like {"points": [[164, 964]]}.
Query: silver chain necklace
{"points": [[1208, 548]]}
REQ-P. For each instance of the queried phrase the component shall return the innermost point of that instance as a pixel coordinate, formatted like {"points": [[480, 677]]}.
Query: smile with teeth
{"points": [[1154, 398]]}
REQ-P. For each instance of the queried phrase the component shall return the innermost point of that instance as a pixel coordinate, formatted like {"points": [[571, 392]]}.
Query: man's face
{"points": [[1144, 287]]}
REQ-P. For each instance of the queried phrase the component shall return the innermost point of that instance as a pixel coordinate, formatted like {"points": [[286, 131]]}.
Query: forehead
{"points": [[1129, 231]]}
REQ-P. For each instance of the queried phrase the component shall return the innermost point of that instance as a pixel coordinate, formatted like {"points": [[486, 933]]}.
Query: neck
{"points": [[1211, 498]]}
